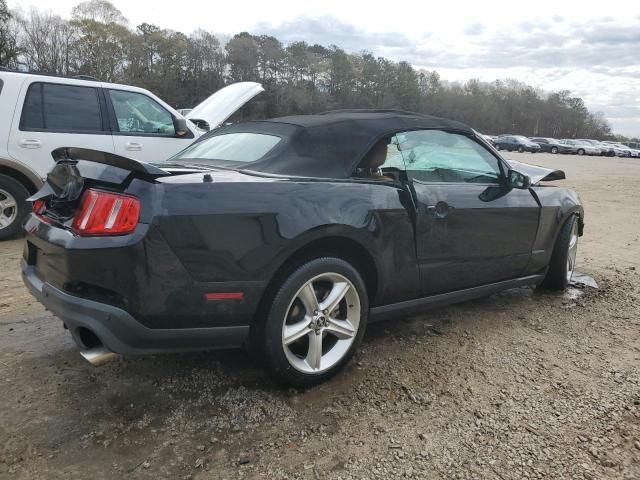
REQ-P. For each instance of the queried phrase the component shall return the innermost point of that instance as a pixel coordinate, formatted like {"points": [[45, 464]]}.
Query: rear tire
{"points": [[554, 149], [308, 334], [580, 151], [13, 207], [521, 149], [563, 258]]}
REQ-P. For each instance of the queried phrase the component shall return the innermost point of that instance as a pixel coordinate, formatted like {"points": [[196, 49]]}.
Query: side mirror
{"points": [[180, 126], [518, 180]]}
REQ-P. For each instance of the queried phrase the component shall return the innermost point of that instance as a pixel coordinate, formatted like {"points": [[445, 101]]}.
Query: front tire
{"points": [[521, 149], [315, 322], [563, 258], [554, 150], [13, 206], [580, 151]]}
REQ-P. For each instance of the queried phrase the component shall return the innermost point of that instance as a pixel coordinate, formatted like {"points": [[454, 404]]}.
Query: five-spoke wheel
{"points": [[315, 322], [321, 323]]}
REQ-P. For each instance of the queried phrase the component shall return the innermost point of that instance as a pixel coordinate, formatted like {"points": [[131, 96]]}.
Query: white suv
{"points": [[41, 113]]}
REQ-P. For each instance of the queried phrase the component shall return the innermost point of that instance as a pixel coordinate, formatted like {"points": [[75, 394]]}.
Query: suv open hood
{"points": [[224, 103]]}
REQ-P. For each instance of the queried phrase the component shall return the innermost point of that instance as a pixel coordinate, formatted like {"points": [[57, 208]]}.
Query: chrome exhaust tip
{"points": [[98, 355]]}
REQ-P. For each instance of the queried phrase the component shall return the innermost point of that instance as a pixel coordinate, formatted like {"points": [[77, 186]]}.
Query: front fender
{"points": [[556, 206]]}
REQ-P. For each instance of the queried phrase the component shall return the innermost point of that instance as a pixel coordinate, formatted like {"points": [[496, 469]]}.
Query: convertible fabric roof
{"points": [[332, 144]]}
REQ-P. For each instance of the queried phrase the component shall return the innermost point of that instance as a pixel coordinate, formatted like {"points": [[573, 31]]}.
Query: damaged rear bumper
{"points": [[120, 332]]}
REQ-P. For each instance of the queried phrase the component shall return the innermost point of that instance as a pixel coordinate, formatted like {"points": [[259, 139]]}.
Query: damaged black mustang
{"points": [[287, 236]]}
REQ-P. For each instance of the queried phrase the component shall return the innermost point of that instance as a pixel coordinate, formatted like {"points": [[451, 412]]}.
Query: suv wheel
{"points": [[13, 206], [316, 322]]}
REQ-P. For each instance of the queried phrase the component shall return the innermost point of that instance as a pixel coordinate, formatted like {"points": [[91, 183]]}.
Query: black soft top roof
{"points": [[331, 144]]}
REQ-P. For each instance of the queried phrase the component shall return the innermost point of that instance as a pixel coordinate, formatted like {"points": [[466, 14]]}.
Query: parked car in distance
{"points": [[289, 235], [581, 148], [617, 150], [620, 149], [551, 145], [516, 143], [45, 112], [489, 138], [605, 150]]}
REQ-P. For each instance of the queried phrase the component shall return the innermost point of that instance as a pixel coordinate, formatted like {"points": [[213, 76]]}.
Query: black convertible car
{"points": [[288, 236]]}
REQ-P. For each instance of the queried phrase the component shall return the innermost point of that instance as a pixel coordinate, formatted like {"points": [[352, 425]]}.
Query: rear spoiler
{"points": [[105, 158], [66, 181]]}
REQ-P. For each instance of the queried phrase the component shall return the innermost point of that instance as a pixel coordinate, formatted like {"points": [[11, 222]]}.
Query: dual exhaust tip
{"points": [[98, 355]]}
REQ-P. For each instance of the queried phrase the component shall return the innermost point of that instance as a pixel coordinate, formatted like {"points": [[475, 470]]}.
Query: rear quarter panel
{"points": [[245, 231]]}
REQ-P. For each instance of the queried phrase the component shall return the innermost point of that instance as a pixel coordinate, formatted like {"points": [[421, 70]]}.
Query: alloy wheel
{"points": [[321, 323], [8, 209], [572, 251]]}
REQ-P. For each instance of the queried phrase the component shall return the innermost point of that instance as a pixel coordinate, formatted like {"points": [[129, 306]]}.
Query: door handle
{"points": [[440, 209], [30, 143], [133, 146]]}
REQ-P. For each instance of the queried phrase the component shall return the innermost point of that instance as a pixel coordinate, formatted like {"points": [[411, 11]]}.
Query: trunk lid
{"points": [[224, 103]]}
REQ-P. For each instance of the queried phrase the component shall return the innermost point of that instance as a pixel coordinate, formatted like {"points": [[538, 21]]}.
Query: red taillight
{"points": [[38, 206], [106, 213]]}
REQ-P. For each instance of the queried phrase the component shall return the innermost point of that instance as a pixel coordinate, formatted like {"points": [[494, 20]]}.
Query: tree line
{"points": [[298, 78]]}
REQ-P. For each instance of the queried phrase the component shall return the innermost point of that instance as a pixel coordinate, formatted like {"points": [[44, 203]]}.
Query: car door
{"points": [[57, 115], [470, 229], [142, 128]]}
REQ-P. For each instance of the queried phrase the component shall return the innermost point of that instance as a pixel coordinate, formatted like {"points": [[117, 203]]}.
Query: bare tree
{"points": [[8, 45], [298, 78], [45, 42]]}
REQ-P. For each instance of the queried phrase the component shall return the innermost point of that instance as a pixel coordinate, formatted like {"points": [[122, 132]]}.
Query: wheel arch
{"points": [[31, 182], [334, 245], [576, 211]]}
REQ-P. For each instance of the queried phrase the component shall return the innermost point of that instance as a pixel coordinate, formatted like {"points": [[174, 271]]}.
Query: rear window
{"points": [[230, 147], [61, 108]]}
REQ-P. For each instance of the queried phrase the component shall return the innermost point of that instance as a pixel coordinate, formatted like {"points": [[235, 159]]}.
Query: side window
{"points": [[61, 108], [434, 156], [138, 114]]}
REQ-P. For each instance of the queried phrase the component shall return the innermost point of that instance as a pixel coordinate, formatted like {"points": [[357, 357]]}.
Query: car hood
{"points": [[224, 103], [535, 173]]}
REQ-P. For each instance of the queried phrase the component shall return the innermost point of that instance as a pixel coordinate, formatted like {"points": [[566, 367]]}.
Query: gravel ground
{"points": [[522, 384]]}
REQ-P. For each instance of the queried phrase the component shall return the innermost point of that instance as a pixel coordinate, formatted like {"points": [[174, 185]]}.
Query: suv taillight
{"points": [[106, 213]]}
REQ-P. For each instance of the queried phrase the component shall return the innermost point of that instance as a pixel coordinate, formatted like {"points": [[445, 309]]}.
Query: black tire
{"points": [[277, 311], [554, 149], [20, 194], [580, 151], [521, 149], [557, 278]]}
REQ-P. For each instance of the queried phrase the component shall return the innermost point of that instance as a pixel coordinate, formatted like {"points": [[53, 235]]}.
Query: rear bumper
{"points": [[122, 333]]}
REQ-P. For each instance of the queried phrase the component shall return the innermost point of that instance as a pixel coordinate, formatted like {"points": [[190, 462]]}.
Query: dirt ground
{"points": [[522, 384]]}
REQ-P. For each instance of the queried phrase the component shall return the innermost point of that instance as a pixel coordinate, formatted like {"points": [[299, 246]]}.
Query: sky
{"points": [[590, 48]]}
